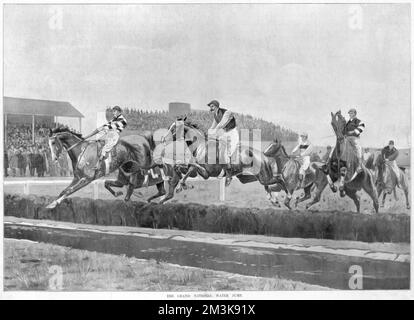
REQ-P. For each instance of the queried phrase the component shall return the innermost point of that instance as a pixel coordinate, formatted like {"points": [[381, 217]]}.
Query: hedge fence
{"points": [[220, 219]]}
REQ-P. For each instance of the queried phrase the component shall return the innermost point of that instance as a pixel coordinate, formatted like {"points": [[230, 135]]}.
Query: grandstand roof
{"points": [[39, 107]]}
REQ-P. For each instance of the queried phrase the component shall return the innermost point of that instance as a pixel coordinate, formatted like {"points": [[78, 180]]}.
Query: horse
{"points": [[290, 171], [387, 181], [84, 155], [208, 157], [343, 167]]}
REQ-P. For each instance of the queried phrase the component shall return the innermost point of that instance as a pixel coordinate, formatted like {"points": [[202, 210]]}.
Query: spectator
{"points": [[14, 162], [6, 162], [32, 164], [21, 162]]}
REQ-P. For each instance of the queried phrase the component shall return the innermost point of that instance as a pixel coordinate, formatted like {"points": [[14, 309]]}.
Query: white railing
{"points": [[95, 184]]}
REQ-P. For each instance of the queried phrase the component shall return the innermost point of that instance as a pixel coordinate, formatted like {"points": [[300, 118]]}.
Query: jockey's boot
{"points": [[99, 163], [229, 174], [301, 180]]}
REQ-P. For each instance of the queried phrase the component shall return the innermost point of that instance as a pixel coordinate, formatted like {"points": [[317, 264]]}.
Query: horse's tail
{"points": [[150, 138]]}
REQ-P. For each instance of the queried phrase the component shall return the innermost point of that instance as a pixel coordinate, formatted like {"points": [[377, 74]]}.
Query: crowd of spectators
{"points": [[141, 120], [28, 157]]}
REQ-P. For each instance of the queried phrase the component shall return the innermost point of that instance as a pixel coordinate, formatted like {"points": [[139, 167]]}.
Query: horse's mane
{"points": [[284, 150], [65, 129]]}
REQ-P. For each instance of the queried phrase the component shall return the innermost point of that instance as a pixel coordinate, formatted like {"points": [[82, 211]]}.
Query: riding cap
{"points": [[352, 110], [117, 108], [391, 142], [214, 103]]}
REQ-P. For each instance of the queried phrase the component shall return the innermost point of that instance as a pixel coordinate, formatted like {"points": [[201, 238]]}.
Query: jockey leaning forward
{"points": [[305, 149], [111, 131], [225, 129], [390, 154]]}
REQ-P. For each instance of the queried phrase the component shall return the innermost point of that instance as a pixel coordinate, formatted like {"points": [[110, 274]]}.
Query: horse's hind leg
{"points": [[114, 183], [404, 186], [161, 192], [320, 183], [354, 196]]}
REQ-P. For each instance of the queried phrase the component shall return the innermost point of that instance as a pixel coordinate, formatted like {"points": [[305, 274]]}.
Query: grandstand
{"points": [[35, 113], [26, 124]]}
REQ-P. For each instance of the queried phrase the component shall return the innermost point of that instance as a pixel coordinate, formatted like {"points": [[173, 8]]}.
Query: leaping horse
{"points": [[386, 180], [343, 166], [84, 155], [290, 170]]}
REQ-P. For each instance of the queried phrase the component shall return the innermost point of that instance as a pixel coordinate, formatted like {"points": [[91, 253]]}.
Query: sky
{"points": [[289, 64]]}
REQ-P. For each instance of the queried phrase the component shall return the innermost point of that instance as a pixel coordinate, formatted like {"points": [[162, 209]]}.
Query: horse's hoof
{"points": [[52, 205], [408, 206]]}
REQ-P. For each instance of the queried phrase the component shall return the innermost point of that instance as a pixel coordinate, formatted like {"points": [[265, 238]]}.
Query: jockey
{"points": [[354, 127], [390, 154], [111, 131], [224, 126], [305, 149]]}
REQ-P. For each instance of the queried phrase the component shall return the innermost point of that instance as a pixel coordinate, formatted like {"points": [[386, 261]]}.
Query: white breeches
{"points": [[231, 138], [111, 139], [305, 160]]}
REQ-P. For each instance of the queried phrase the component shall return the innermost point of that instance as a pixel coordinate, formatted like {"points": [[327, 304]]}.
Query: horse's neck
{"points": [[282, 158], [76, 150]]}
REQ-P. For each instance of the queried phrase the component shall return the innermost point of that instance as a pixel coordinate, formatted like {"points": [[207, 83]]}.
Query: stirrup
{"points": [[146, 180]]}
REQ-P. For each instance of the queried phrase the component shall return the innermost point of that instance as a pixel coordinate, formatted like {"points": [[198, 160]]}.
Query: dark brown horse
{"points": [[84, 154], [289, 167], [343, 165]]}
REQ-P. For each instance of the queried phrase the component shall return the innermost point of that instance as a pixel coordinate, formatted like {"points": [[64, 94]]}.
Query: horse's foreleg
{"points": [[395, 194], [272, 197], [182, 183], [74, 181], [320, 186], [354, 196], [369, 187], [78, 185], [383, 199]]}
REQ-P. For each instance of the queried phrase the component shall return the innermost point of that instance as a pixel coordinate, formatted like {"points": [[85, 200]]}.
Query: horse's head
{"points": [[55, 145], [59, 138], [273, 149], [181, 128], [338, 123]]}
